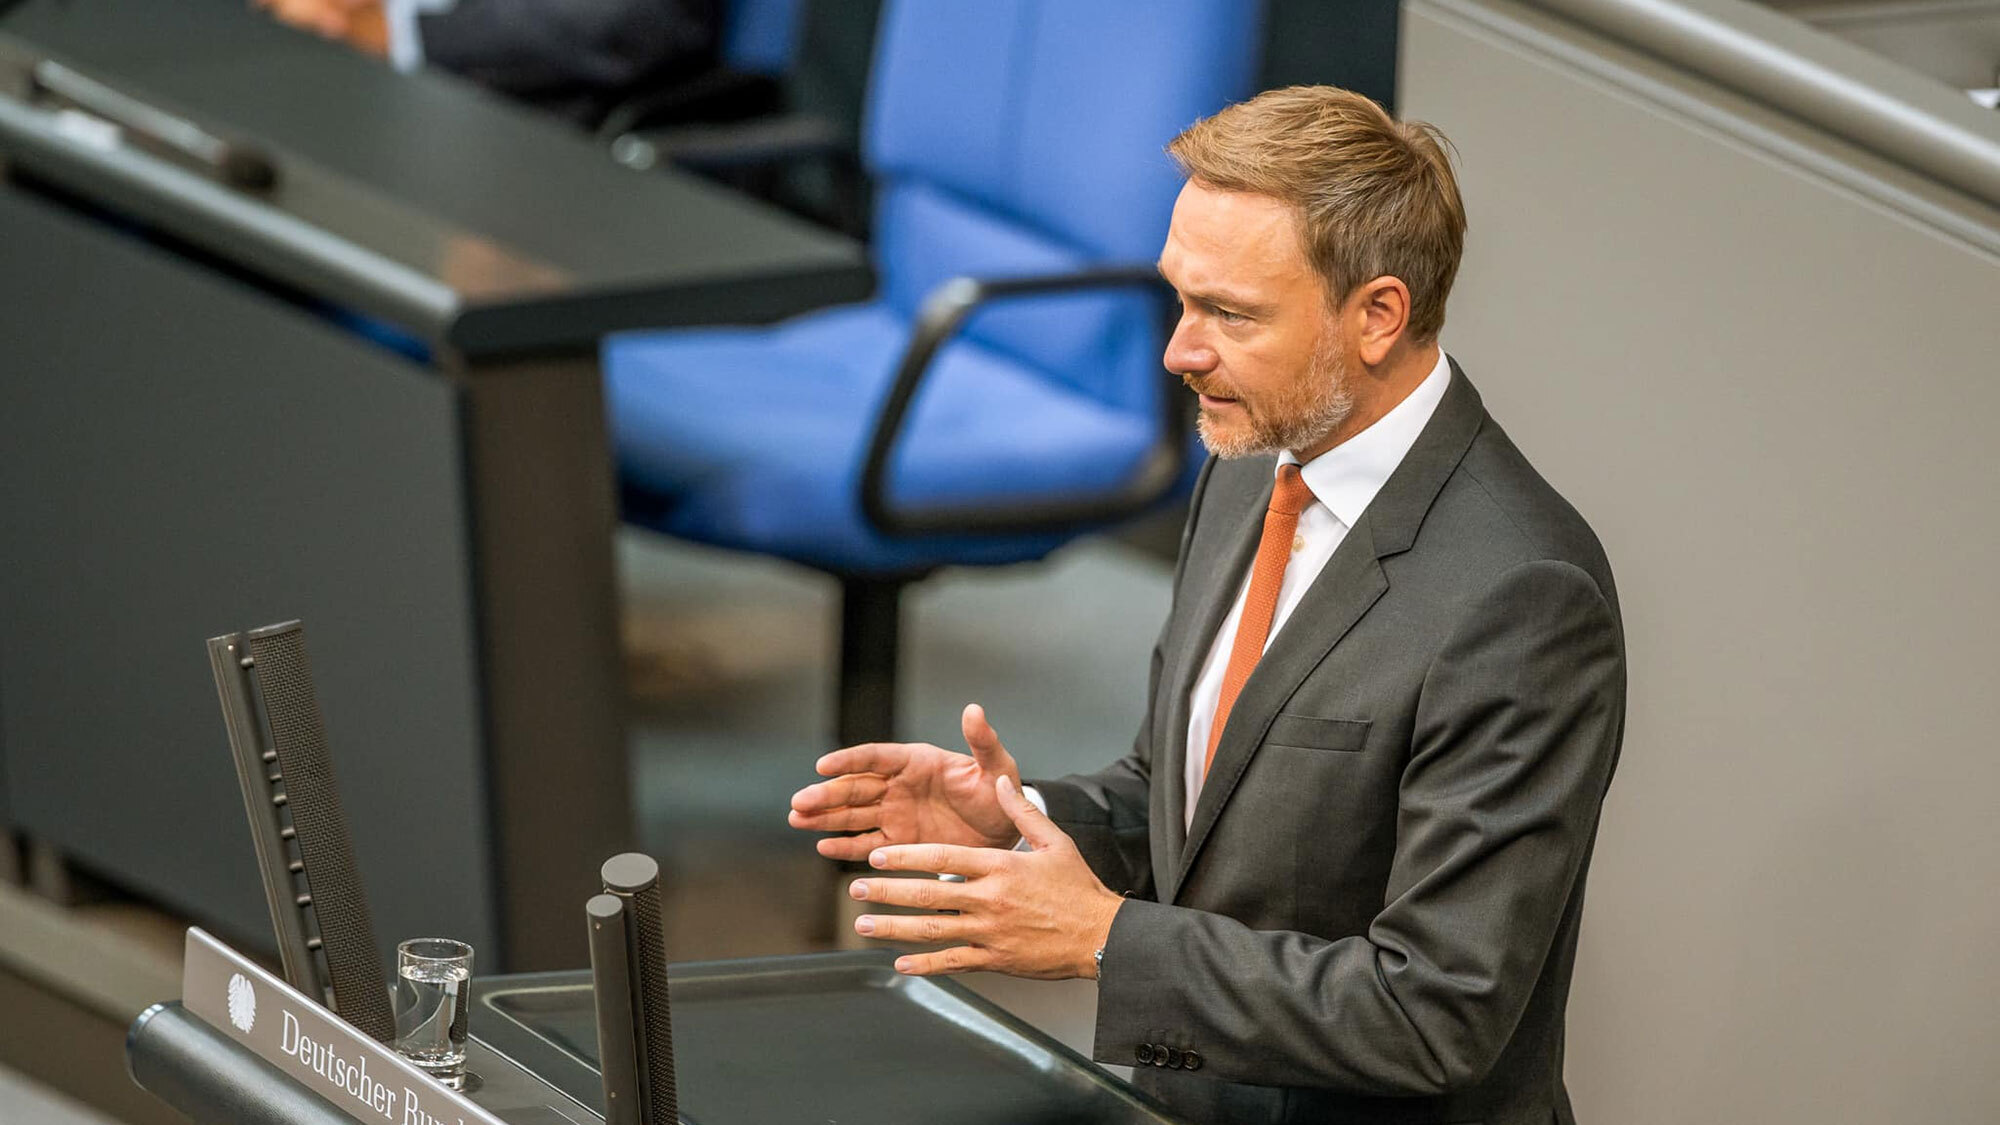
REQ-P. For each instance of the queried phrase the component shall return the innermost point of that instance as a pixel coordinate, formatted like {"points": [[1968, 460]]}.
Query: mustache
{"points": [[1210, 388]]}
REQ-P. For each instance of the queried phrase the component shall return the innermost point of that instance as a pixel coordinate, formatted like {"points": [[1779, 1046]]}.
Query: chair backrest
{"points": [[1015, 137], [760, 36]]}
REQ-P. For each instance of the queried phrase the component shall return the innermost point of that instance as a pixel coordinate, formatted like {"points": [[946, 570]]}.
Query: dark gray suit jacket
{"points": [[1374, 914]]}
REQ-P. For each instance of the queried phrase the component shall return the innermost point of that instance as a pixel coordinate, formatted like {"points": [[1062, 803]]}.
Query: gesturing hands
{"points": [[911, 793], [917, 807], [1040, 914]]}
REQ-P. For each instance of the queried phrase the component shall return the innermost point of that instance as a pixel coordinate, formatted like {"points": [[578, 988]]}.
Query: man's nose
{"points": [[1186, 351]]}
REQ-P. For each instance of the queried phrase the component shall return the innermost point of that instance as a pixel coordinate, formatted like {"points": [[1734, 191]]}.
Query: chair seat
{"points": [[753, 438]]}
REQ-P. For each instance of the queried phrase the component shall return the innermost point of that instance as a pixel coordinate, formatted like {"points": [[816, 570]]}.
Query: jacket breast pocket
{"points": [[1305, 732]]}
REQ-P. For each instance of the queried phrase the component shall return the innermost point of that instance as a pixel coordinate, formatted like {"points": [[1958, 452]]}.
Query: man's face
{"points": [[1255, 339]]}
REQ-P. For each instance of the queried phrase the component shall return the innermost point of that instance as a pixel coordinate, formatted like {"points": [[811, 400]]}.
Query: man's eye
{"points": [[1230, 316]]}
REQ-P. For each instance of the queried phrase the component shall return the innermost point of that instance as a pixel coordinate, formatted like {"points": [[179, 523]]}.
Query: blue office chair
{"points": [[756, 49], [760, 36], [736, 123], [1002, 393]]}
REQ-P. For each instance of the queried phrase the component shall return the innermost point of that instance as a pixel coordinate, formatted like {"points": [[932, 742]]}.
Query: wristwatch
{"points": [[1098, 957]]}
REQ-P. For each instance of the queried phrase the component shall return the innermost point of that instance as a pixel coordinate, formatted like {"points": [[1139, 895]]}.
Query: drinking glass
{"points": [[433, 998]]}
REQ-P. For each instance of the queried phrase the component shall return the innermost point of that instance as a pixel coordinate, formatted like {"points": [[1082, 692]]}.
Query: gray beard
{"points": [[1325, 402]]}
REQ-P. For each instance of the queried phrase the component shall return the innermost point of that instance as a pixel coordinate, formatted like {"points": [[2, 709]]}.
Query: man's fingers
{"points": [[915, 929], [957, 959], [984, 741], [924, 894], [1034, 825], [853, 849], [837, 820], [938, 859], [851, 789], [869, 757], [945, 961]]}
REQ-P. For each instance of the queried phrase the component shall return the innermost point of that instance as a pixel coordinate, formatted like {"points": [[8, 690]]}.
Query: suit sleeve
{"points": [[1106, 812], [1516, 735], [534, 47]]}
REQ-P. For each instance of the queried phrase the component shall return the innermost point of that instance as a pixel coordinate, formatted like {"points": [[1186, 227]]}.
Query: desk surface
{"points": [[816, 1038], [509, 210]]}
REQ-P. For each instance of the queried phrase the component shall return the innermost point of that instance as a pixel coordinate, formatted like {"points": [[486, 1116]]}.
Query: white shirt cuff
{"points": [[1036, 799], [406, 42]]}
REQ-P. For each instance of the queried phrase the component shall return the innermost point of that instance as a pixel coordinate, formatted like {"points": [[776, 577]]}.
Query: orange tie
{"points": [[1260, 605]]}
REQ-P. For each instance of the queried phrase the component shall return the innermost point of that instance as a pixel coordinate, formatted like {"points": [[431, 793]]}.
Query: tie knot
{"points": [[1291, 496]]}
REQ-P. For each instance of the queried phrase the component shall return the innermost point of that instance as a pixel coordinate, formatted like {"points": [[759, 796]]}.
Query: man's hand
{"points": [[911, 793], [361, 23], [1040, 914]]}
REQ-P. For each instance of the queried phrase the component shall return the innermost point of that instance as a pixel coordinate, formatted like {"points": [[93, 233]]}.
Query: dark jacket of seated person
{"points": [[576, 58]]}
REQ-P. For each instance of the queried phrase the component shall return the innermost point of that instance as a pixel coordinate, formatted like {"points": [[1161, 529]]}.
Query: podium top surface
{"points": [[419, 198], [816, 1038]]}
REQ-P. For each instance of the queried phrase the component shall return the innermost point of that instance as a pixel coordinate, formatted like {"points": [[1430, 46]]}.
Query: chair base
{"points": [[871, 619], [870, 643]]}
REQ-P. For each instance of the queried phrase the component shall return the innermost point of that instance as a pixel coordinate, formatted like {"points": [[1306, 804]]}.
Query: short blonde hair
{"points": [[1375, 196]]}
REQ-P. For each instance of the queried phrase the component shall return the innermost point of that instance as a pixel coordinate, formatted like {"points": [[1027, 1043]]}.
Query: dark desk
{"points": [[768, 1041], [194, 439]]}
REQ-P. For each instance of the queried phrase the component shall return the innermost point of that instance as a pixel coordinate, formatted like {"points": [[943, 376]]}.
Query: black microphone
{"points": [[634, 880], [326, 937], [618, 1043]]}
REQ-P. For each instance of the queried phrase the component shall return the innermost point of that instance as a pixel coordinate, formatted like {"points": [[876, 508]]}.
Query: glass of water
{"points": [[433, 998]]}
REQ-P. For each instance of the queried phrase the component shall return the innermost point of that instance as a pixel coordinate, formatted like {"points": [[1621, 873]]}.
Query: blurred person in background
{"points": [[1340, 875], [576, 58]]}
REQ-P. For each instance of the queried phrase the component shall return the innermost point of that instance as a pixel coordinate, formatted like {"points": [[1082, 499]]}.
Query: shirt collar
{"points": [[1347, 477]]}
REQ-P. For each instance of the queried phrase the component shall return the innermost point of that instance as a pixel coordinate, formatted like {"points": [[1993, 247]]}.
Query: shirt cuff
{"points": [[406, 40], [1036, 799]]}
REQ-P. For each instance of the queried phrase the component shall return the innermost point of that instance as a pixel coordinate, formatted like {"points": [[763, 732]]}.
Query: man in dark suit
{"points": [[1339, 877]]}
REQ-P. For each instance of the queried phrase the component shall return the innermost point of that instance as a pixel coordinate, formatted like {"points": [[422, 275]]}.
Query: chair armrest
{"points": [[758, 142], [720, 94], [944, 313]]}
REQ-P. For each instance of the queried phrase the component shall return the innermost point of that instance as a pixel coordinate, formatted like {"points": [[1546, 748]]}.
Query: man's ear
{"points": [[1378, 311]]}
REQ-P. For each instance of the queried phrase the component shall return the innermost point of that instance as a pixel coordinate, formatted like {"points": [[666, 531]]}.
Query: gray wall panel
{"points": [[182, 456], [1772, 392]]}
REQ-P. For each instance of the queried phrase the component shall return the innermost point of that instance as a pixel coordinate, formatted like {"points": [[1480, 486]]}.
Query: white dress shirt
{"points": [[1343, 481]]}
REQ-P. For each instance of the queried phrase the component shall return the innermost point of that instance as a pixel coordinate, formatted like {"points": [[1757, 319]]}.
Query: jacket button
{"points": [[1173, 1058], [1160, 1054], [1190, 1060], [1144, 1054]]}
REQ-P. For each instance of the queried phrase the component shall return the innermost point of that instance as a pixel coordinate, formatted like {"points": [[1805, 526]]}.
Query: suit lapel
{"points": [[1222, 560], [1351, 582]]}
